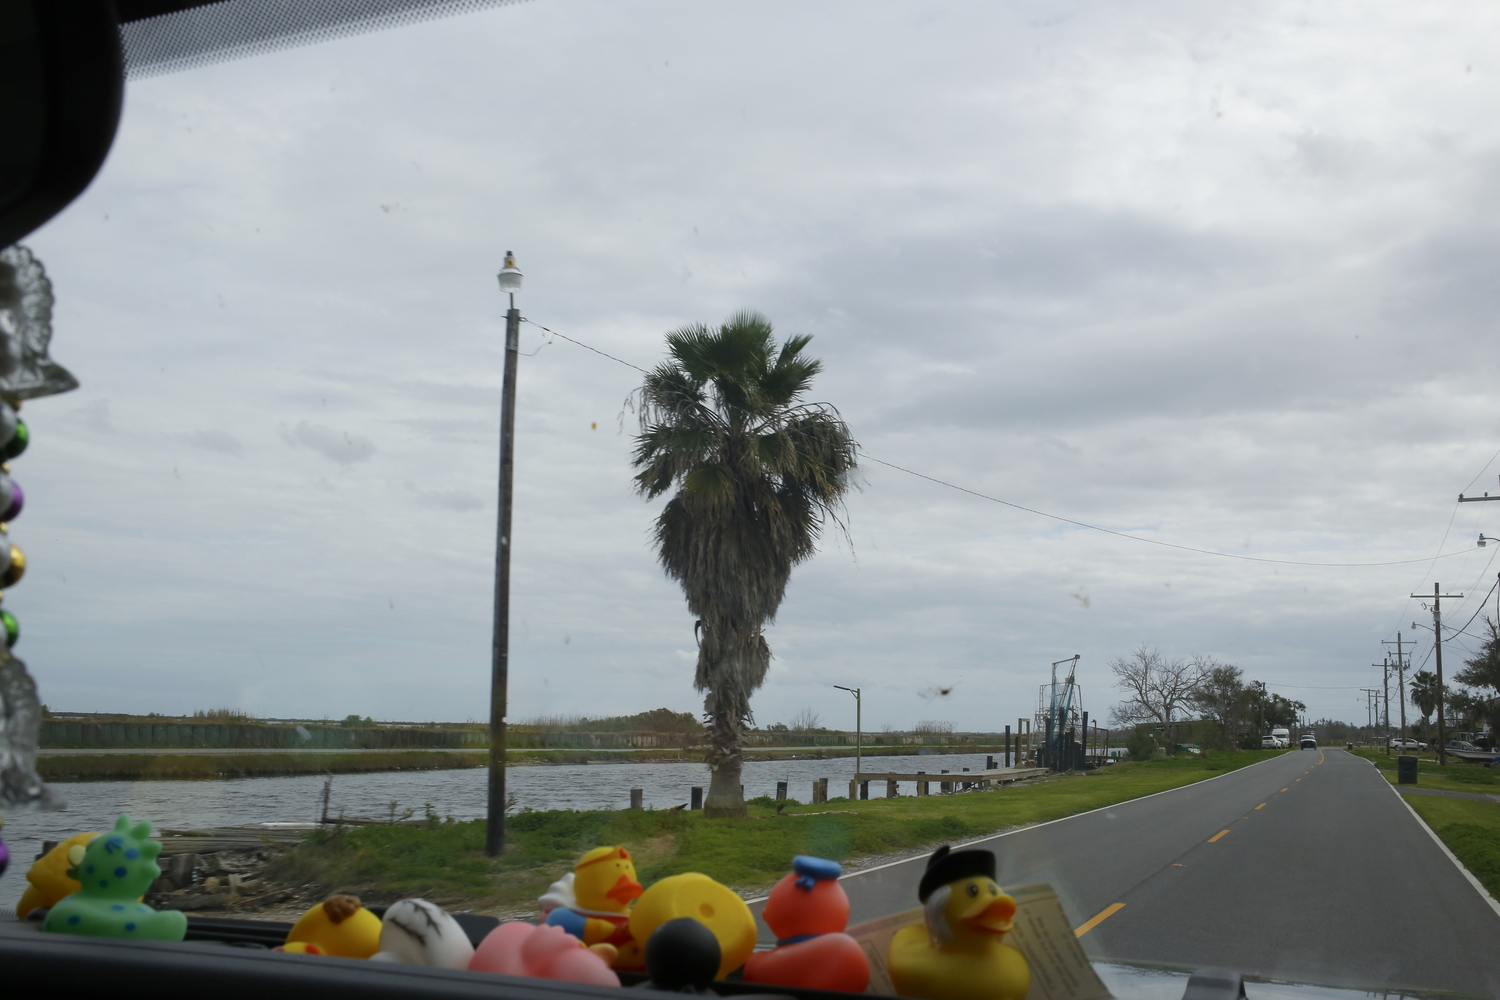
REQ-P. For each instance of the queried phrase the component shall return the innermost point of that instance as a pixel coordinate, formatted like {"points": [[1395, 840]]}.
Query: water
{"points": [[191, 805]]}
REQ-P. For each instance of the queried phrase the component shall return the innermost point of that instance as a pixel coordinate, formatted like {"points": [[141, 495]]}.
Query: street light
{"points": [[1485, 540], [494, 834], [858, 727]]}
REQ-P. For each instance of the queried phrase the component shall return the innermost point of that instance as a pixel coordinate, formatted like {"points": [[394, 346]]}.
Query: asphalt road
{"points": [[1306, 867]]}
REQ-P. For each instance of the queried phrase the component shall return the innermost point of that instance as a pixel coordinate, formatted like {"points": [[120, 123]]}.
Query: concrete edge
{"points": [[1060, 819], [1478, 885]]}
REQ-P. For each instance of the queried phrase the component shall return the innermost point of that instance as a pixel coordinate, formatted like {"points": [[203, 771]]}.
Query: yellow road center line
{"points": [[1261, 806], [1283, 789], [1102, 916], [1217, 836]]}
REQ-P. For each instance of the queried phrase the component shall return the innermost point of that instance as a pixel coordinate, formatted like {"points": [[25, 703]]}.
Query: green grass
{"points": [[444, 861], [1458, 777], [1470, 828]]}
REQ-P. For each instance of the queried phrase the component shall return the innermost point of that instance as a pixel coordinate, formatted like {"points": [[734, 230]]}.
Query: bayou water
{"points": [[460, 793]]}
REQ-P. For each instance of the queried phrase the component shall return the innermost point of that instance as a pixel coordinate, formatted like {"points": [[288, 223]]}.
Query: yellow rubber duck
{"points": [[959, 952], [340, 925], [49, 876], [593, 903]]}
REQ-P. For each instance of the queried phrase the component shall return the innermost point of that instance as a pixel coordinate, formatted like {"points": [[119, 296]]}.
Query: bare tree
{"points": [[805, 720], [1157, 689]]}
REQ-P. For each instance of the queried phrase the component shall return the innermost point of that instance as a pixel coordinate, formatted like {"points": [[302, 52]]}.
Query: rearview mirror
{"points": [[61, 84]]}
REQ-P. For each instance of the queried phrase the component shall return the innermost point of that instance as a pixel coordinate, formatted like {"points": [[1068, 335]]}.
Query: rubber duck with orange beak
{"points": [[592, 903], [959, 952]]}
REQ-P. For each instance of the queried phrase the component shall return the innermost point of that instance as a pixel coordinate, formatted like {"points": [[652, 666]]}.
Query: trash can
{"points": [[1406, 770]]}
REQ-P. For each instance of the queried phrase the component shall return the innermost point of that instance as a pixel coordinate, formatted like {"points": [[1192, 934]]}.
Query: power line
{"points": [[1069, 520], [1153, 541], [586, 347]]}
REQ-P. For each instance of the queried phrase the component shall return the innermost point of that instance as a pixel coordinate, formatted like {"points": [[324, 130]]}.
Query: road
{"points": [[1306, 867]]}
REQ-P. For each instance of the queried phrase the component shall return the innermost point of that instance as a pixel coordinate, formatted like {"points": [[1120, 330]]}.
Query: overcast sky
{"points": [[1217, 275]]}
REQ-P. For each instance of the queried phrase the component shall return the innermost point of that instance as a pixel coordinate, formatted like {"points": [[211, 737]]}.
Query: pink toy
{"points": [[521, 949]]}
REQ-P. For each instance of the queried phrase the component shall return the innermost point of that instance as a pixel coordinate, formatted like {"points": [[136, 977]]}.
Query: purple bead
{"points": [[18, 500]]}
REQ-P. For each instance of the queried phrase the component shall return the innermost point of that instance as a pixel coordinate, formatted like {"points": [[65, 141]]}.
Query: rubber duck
{"points": [[115, 870], [593, 901], [48, 879], [959, 952], [715, 906], [808, 911], [547, 952], [416, 932], [340, 925]]}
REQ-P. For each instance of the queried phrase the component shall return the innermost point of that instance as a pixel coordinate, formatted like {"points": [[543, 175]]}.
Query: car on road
{"points": [[1308, 742]]}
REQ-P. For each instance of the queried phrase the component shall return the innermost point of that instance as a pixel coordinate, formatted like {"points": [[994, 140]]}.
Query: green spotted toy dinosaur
{"points": [[115, 871]]}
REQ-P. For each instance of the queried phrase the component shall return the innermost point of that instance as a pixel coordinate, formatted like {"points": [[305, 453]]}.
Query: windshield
{"points": [[1077, 397]]}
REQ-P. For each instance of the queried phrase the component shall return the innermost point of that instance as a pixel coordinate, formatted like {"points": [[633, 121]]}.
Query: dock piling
{"points": [[696, 798], [891, 789], [637, 798]]}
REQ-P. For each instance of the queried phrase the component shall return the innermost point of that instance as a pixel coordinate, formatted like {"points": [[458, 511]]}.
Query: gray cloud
{"points": [[339, 446], [220, 441], [1212, 274]]}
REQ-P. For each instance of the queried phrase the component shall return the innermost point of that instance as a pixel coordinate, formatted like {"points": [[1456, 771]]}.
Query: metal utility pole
{"points": [[858, 727], [1400, 683], [494, 834], [1437, 643]]}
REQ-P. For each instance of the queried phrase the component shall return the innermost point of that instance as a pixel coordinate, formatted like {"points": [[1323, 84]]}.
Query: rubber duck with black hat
{"points": [[959, 951]]}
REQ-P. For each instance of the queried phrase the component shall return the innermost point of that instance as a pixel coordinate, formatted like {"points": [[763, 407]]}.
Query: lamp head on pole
{"points": [[510, 277]]}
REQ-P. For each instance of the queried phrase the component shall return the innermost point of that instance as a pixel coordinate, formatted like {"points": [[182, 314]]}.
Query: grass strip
{"points": [[1459, 777], [443, 860], [1471, 829]]}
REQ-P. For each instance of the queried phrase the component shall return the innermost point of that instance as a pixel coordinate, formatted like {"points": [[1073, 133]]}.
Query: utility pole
{"points": [[858, 726], [494, 831], [1385, 685], [1400, 684], [1372, 709], [1437, 643]]}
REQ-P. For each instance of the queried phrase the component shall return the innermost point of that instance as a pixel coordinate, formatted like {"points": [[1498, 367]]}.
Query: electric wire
{"points": [[1069, 520]]}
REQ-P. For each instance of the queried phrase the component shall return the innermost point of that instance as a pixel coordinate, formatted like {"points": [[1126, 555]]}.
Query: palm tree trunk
{"points": [[726, 799]]}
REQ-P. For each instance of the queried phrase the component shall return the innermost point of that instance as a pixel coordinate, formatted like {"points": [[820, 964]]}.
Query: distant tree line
{"points": [[1164, 690]]}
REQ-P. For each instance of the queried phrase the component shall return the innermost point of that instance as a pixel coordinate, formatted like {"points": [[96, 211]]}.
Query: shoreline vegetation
{"points": [[170, 765], [443, 860]]}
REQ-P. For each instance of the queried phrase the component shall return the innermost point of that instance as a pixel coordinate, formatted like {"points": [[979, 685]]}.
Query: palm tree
{"points": [[1424, 693], [756, 474]]}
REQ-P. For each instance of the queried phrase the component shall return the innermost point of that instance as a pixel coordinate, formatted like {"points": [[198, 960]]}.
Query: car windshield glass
{"points": [[1038, 428]]}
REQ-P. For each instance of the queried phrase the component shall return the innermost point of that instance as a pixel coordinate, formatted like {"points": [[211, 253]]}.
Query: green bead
{"points": [[12, 627], [17, 443]]}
